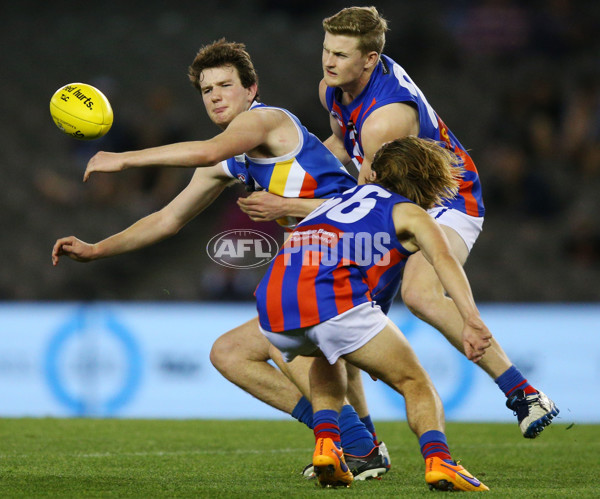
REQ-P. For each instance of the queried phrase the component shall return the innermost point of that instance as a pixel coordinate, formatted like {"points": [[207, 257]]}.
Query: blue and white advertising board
{"points": [[151, 360]]}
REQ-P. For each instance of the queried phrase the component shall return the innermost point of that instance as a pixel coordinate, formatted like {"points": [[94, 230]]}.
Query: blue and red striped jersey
{"points": [[389, 83], [344, 253]]}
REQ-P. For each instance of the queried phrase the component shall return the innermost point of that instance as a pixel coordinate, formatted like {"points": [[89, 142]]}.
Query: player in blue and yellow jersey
{"points": [[263, 147], [372, 100], [308, 170], [330, 268]]}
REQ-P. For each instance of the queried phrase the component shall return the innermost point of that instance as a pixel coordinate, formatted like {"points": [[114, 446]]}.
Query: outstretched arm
{"points": [[247, 131], [417, 230], [203, 189]]}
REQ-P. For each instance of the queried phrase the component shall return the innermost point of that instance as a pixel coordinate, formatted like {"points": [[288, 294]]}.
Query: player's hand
{"points": [[262, 206], [477, 338], [103, 162], [73, 248]]}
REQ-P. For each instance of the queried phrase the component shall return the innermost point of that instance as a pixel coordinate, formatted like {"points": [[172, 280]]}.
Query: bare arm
{"points": [[247, 131], [336, 145], [262, 206], [418, 230], [390, 122], [203, 189]]}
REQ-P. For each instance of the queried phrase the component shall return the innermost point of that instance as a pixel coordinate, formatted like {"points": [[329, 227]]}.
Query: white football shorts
{"points": [[466, 226], [335, 337]]}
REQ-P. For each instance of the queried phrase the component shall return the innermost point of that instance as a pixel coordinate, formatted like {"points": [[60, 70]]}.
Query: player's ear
{"points": [[372, 177], [252, 91], [372, 59]]}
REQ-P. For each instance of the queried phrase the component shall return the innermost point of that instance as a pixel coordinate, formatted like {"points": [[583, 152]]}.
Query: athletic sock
{"points": [[433, 443], [326, 425], [357, 440], [303, 412], [511, 380], [370, 426]]}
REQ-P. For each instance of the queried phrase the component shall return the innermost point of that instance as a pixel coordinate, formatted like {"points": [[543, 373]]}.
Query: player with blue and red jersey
{"points": [[317, 299], [389, 83], [324, 269], [371, 101]]}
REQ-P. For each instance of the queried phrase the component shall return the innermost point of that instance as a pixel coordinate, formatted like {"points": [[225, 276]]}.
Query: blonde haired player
{"points": [[318, 265], [372, 100]]}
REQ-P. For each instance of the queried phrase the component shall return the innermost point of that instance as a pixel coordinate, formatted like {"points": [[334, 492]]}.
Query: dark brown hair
{"points": [[223, 53]]}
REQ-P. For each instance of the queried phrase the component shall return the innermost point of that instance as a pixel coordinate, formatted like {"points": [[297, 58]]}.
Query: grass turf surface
{"points": [[199, 458]]}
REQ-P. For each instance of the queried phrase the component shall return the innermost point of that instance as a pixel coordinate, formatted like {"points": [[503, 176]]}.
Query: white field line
{"points": [[166, 453]]}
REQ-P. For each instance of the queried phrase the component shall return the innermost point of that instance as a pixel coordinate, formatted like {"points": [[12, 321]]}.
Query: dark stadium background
{"points": [[517, 82]]}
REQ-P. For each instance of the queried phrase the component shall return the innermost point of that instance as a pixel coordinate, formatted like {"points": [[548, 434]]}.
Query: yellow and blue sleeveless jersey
{"points": [[309, 171], [344, 253], [388, 84]]}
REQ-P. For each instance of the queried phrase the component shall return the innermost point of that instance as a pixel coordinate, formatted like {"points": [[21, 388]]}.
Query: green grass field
{"points": [[197, 458]]}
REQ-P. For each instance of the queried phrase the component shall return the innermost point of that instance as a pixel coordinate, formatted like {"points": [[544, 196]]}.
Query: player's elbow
{"points": [[206, 155]]}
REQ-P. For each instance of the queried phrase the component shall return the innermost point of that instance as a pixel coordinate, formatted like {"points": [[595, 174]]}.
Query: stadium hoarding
{"points": [[151, 360]]}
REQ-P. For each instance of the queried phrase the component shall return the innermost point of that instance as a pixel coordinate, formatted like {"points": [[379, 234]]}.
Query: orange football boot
{"points": [[441, 475], [330, 466]]}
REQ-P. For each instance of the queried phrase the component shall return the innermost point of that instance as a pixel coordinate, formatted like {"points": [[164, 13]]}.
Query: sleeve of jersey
{"points": [[231, 168]]}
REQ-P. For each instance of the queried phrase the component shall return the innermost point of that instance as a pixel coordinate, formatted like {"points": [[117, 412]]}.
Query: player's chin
{"points": [[217, 120], [220, 119], [331, 80]]}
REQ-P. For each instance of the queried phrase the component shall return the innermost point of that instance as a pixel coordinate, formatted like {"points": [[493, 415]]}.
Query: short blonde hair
{"points": [[421, 170], [364, 23]]}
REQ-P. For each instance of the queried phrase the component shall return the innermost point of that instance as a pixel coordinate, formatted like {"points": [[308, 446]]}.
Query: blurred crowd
{"points": [[517, 82]]}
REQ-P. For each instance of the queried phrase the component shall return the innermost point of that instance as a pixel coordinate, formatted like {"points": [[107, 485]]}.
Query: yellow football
{"points": [[81, 111]]}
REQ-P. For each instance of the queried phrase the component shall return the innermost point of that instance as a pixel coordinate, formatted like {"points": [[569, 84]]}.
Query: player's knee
{"points": [[222, 355], [409, 381], [396, 381], [233, 352], [420, 300]]}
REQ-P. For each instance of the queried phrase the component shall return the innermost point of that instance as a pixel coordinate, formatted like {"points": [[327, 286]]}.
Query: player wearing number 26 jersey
{"points": [[343, 254], [388, 84]]}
